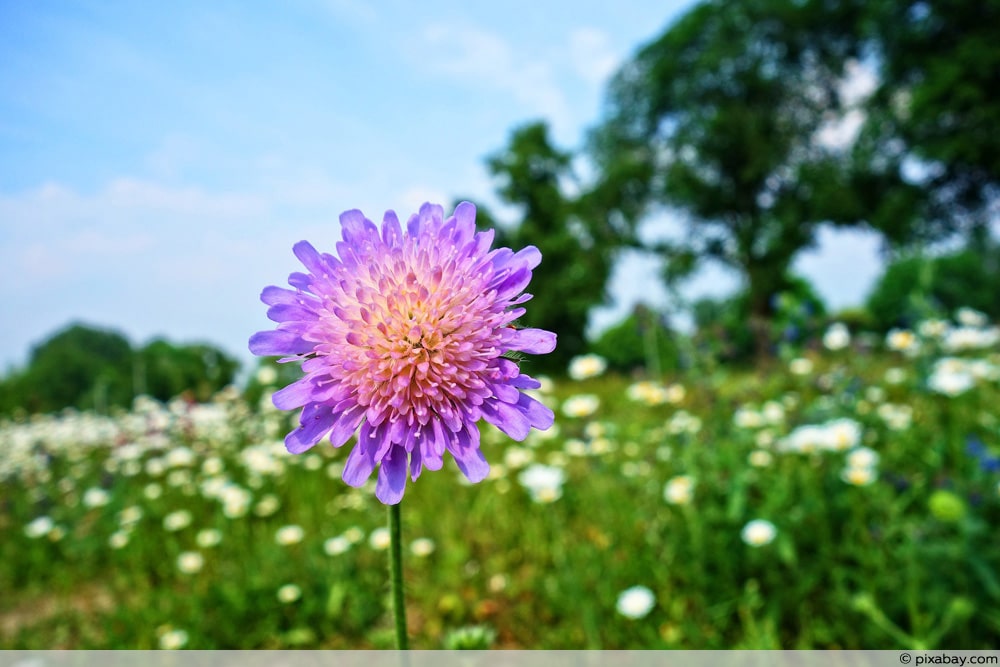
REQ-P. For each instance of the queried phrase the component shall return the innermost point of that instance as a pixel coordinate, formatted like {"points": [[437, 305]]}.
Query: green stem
{"points": [[396, 577]]}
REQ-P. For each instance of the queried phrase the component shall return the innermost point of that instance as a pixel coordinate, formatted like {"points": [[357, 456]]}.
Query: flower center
{"points": [[421, 335]]}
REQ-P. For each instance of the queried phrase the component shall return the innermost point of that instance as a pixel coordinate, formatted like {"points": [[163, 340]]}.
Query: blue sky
{"points": [[158, 161]]}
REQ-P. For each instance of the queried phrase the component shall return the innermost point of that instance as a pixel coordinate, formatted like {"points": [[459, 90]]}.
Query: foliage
{"points": [[898, 554], [939, 98], [724, 110], [915, 287], [167, 370], [721, 324], [577, 243], [79, 366], [641, 341], [92, 368]]}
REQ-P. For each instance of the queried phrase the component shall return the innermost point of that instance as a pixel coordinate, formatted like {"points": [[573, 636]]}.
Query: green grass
{"points": [[910, 560]]}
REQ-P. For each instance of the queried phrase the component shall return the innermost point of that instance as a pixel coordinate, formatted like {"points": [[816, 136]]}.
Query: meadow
{"points": [[843, 496]]}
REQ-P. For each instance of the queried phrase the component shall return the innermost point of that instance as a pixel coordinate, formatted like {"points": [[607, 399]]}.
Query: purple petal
{"points": [[513, 284], [483, 242], [527, 258], [392, 233], [525, 382], [278, 342], [273, 295], [392, 477], [346, 425], [290, 312], [533, 341], [537, 413], [315, 422], [465, 213], [375, 439], [471, 462], [359, 466], [309, 257], [294, 395], [505, 393], [507, 418], [302, 281], [465, 224], [415, 464], [356, 227]]}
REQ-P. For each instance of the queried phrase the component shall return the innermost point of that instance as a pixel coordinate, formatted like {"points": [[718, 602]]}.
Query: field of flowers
{"points": [[847, 496]]}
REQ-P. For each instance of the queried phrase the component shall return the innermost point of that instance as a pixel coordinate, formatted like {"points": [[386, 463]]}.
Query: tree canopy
{"points": [[939, 99], [577, 242], [94, 368], [721, 120]]}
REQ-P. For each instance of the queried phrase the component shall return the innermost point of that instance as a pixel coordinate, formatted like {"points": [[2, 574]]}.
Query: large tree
{"points": [[577, 241], [720, 120], [938, 102]]}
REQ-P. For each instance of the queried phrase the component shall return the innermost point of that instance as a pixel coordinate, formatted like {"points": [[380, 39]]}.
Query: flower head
{"points": [[635, 602], [758, 532], [837, 337], [679, 490], [404, 335], [543, 482], [586, 366]]}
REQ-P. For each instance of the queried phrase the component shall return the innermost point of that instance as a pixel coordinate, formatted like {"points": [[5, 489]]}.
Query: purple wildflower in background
{"points": [[403, 334]]}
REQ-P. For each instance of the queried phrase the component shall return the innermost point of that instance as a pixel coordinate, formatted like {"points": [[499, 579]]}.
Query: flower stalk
{"points": [[396, 577]]}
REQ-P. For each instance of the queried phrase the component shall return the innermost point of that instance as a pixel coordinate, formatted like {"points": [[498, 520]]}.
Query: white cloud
{"points": [[593, 59], [485, 59]]}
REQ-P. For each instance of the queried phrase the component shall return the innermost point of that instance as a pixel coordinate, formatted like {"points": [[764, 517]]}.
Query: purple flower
{"points": [[403, 334]]}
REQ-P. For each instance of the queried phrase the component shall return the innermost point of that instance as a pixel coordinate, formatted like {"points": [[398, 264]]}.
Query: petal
{"points": [[290, 312], [375, 439], [278, 343], [415, 464], [294, 395], [471, 462], [465, 224], [346, 425], [392, 233], [507, 418], [513, 284], [537, 413], [302, 281], [525, 382], [528, 257], [273, 295], [356, 228], [392, 477], [465, 213], [359, 466], [505, 392], [309, 257], [314, 423], [533, 341]]}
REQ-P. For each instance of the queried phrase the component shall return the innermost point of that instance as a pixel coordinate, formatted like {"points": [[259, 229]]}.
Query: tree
{"points": [[164, 370], [576, 242], [939, 99], [640, 341], [914, 288], [80, 366], [719, 120], [91, 368]]}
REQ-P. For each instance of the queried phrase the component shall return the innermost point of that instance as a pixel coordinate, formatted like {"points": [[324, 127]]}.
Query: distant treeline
{"points": [[92, 368]]}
